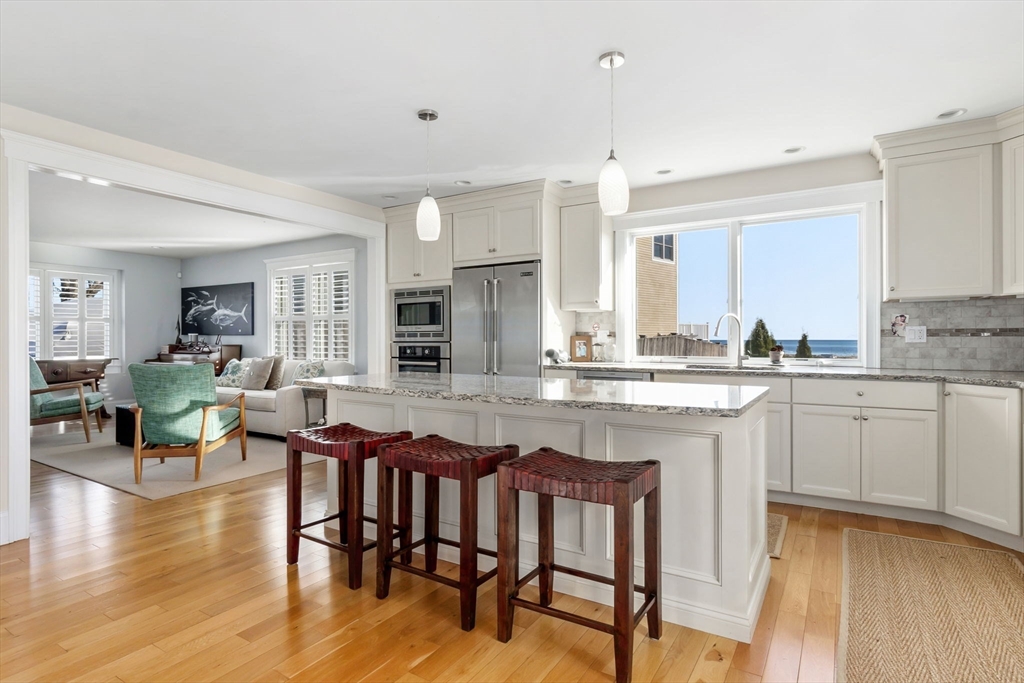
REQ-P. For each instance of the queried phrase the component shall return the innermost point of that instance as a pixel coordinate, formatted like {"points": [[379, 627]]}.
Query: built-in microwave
{"points": [[421, 314]]}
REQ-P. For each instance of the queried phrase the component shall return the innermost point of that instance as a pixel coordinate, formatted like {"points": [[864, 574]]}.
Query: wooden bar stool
{"points": [[434, 457], [351, 446], [549, 473]]}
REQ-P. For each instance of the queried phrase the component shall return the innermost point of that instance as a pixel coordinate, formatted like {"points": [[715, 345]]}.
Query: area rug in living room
{"points": [[107, 463]]}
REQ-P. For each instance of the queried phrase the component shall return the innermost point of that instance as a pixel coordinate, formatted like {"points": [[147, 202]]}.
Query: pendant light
{"points": [[612, 186], [428, 216]]}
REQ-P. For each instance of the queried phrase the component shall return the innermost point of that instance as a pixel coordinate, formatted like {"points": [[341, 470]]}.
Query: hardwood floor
{"points": [[195, 587]]}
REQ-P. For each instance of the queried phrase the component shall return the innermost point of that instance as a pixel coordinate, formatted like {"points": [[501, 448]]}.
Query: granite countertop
{"points": [[707, 400], [1013, 380]]}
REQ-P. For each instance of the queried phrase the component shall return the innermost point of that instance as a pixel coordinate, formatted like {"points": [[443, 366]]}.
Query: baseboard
{"points": [[907, 514], [5, 530]]}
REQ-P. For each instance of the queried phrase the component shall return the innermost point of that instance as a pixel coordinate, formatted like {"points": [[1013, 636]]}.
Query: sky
{"points": [[799, 276]]}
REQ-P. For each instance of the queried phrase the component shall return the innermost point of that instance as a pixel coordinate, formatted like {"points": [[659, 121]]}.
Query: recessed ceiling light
{"points": [[98, 181], [564, 183], [70, 176], [157, 247], [462, 183], [793, 150], [389, 196], [665, 171], [951, 114]]}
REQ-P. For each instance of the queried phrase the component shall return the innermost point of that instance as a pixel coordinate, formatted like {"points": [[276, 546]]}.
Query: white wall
{"points": [[249, 266], [151, 298]]}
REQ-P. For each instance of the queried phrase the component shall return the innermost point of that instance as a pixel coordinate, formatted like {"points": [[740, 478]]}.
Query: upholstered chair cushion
{"points": [[69, 405], [37, 381], [172, 399], [257, 373]]}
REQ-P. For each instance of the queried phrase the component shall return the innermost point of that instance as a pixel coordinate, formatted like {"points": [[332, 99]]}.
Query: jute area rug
{"points": [[107, 463], [776, 534], [916, 610]]}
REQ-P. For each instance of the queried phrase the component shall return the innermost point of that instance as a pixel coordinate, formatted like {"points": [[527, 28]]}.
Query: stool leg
{"points": [[467, 544], [343, 483], [405, 513], [508, 553], [294, 486], [354, 473], [546, 546], [385, 526], [431, 520], [623, 610], [652, 556]]}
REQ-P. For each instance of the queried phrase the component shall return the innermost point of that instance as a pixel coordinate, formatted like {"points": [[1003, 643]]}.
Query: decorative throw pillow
{"points": [[308, 370], [257, 373], [232, 374], [276, 374]]}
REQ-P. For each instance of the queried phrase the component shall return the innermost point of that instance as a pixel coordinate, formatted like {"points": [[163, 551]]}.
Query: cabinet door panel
{"points": [[402, 252], [826, 451], [517, 229], [939, 224], [434, 259], [471, 234], [586, 259], [900, 457], [1013, 216], [983, 456], [780, 451]]}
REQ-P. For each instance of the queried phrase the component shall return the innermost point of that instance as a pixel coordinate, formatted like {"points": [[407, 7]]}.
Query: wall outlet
{"points": [[917, 334]]}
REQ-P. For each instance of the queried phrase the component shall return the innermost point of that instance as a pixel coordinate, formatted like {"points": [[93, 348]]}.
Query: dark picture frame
{"points": [[218, 309]]}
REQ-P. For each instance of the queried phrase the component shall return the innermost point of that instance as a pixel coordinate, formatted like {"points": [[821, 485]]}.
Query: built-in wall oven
{"points": [[421, 314], [421, 357]]}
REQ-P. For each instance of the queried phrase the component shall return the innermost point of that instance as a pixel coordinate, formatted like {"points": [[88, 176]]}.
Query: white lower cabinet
{"points": [[900, 457], [983, 456], [779, 471], [826, 451]]}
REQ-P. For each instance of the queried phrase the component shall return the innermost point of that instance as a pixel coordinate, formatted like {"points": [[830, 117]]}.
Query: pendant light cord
{"points": [[428, 154], [611, 101]]}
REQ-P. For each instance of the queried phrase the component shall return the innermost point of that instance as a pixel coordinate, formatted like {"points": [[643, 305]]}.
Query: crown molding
{"points": [[471, 200], [984, 131]]}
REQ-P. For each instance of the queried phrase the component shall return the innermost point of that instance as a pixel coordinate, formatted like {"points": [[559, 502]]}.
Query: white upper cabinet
{"points": [[1013, 216], [506, 231], [939, 233], [473, 234], [411, 260], [587, 259], [983, 455]]}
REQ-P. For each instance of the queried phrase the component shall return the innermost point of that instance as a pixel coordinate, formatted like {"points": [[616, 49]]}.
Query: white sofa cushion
{"points": [[332, 368], [264, 400]]}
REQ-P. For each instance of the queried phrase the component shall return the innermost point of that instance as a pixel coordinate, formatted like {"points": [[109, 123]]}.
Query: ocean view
{"points": [[823, 348]]}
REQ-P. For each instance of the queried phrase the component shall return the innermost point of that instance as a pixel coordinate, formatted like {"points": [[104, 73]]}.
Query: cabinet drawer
{"points": [[779, 387], [867, 393]]}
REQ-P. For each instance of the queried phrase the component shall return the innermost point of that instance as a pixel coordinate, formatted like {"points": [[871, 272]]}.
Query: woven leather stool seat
{"points": [[435, 457], [440, 457], [335, 441], [352, 446], [549, 472]]}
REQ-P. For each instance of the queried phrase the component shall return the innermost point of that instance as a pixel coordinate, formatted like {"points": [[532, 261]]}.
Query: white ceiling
{"points": [[324, 94], [81, 214]]}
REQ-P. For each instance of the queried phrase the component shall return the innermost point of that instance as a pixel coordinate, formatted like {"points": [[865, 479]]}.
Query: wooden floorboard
{"points": [[196, 588]]}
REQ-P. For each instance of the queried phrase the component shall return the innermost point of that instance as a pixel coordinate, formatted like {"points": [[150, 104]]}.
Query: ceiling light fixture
{"points": [[612, 185], [462, 183], [564, 183], [951, 113], [793, 150], [389, 196], [664, 171], [428, 216]]}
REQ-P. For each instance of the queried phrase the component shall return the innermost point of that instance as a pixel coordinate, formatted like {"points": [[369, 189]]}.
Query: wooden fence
{"points": [[677, 345]]}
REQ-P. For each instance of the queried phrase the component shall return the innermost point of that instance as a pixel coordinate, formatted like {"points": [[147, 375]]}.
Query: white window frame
{"points": [[46, 271], [311, 262], [863, 199], [675, 247]]}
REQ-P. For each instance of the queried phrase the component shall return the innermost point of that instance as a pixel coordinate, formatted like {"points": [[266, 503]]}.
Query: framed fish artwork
{"points": [[218, 309]]}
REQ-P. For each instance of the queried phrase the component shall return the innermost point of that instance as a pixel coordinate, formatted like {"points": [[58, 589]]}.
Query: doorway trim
{"points": [[19, 155]]}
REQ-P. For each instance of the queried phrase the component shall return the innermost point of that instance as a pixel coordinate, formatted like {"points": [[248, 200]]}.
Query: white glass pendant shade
{"points": [[428, 220], [613, 188]]}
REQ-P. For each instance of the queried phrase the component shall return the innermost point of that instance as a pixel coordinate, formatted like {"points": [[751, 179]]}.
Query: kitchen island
{"points": [[711, 441]]}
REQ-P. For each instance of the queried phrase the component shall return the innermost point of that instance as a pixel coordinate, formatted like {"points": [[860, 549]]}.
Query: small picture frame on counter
{"points": [[581, 348]]}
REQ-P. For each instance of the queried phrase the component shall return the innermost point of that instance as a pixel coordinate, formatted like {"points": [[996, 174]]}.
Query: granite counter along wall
{"points": [[974, 334]]}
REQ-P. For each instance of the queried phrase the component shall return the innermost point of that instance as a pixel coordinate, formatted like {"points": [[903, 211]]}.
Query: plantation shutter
{"points": [[35, 312], [312, 311], [71, 315]]}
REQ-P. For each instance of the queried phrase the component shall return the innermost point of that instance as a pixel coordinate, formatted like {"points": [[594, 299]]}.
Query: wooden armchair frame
{"points": [[83, 415], [196, 450]]}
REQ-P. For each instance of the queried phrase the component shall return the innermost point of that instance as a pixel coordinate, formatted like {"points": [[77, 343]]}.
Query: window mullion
{"points": [[735, 274]]}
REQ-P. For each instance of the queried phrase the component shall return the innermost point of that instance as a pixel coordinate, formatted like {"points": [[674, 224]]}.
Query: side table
{"points": [[124, 426], [314, 393]]}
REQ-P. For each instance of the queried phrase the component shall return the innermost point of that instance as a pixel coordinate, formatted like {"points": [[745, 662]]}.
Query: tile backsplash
{"points": [[585, 322], [976, 334]]}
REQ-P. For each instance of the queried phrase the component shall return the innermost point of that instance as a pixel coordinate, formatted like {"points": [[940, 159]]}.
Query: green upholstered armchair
{"points": [[45, 408], [176, 410]]}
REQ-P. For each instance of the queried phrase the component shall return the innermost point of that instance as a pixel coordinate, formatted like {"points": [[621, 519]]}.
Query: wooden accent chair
{"points": [[45, 408], [176, 410]]}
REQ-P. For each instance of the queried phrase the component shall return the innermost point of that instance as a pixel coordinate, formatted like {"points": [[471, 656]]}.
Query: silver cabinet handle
{"points": [[892, 289], [865, 418], [946, 393], [860, 393], [856, 417], [495, 334], [486, 316]]}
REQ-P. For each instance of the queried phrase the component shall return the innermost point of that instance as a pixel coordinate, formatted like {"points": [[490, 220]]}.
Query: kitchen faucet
{"points": [[729, 347]]}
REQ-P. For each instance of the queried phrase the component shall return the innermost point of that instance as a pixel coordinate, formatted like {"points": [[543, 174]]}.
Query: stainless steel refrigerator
{"points": [[496, 320]]}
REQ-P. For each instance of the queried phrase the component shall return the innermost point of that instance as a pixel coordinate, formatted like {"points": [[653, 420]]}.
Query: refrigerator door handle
{"points": [[486, 316], [495, 327]]}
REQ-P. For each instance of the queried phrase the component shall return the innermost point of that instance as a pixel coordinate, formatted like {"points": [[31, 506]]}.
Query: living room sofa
{"points": [[277, 411]]}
